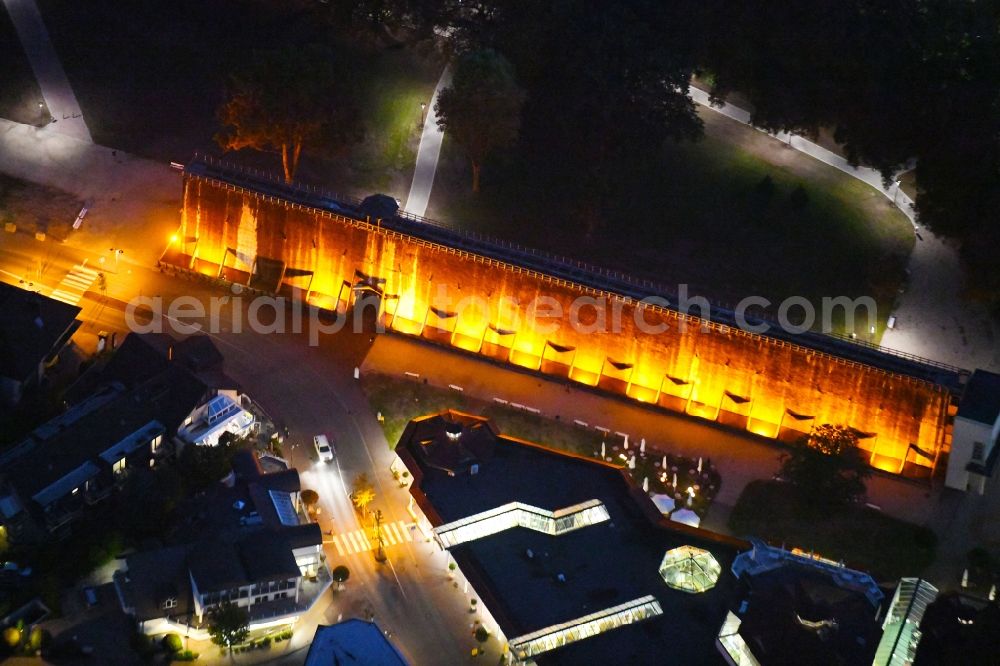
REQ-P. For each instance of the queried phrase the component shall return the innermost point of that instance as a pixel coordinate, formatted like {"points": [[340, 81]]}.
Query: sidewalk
{"points": [[55, 87], [933, 320], [133, 201], [427, 153]]}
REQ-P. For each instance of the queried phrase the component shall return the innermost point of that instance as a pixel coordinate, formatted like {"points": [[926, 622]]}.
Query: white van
{"points": [[323, 448]]}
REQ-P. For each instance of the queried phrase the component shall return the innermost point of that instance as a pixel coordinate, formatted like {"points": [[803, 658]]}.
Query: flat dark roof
{"points": [[31, 327], [981, 400], [604, 565], [782, 600], [166, 398]]}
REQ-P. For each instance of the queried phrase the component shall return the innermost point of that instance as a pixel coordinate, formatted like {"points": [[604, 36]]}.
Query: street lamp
{"points": [[423, 113], [118, 252]]}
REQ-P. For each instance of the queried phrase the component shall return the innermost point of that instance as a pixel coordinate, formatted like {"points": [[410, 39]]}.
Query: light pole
{"points": [[118, 253], [423, 114], [895, 195]]}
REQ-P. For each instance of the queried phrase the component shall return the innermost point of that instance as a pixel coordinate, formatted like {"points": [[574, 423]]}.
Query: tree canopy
{"points": [[229, 625], [899, 85], [287, 99], [309, 497], [340, 574], [481, 109], [363, 493], [827, 466]]}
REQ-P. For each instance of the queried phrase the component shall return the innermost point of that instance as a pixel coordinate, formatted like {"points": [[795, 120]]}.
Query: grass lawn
{"points": [[698, 217], [400, 400], [19, 92], [866, 539], [35, 207], [150, 81]]}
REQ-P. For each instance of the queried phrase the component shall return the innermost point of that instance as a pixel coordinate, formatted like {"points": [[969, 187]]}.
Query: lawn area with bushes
{"points": [[863, 538]]}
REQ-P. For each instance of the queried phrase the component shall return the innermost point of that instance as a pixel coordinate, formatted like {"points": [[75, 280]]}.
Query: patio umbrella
{"points": [[686, 516], [690, 569], [665, 503]]}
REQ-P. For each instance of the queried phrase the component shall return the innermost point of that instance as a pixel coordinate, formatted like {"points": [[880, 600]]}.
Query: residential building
{"points": [[33, 330], [974, 448], [78, 459], [256, 549]]}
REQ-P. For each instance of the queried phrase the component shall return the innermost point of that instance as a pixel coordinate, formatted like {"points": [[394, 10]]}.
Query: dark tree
{"points": [[340, 574], [309, 498], [288, 99], [481, 109], [827, 466], [229, 625]]}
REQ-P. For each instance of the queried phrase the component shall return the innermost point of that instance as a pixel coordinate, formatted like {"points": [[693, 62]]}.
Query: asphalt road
{"points": [[311, 390]]}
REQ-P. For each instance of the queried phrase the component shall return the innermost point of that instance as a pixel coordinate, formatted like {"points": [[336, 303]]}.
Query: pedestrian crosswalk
{"points": [[360, 541], [75, 284]]}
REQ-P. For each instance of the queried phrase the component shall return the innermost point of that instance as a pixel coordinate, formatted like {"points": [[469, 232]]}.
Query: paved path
{"points": [[48, 69], [864, 174], [427, 154], [133, 201], [933, 320]]}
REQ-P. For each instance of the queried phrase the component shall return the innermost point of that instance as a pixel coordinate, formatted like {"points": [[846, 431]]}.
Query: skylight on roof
{"points": [[283, 505]]}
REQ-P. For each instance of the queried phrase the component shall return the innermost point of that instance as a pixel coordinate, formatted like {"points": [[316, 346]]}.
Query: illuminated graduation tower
{"points": [[472, 293]]}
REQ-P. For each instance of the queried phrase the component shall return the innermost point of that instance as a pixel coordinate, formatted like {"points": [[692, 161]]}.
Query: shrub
{"points": [[184, 655], [452, 566], [482, 634], [12, 637], [266, 643], [38, 639], [172, 643]]}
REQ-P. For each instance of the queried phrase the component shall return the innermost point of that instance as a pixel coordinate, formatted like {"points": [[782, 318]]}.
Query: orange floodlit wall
{"points": [[746, 381]]}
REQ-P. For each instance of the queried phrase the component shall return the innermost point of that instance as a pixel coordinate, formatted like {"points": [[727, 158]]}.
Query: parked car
{"points": [[323, 448]]}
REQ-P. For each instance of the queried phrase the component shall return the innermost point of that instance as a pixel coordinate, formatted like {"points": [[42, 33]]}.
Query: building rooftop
{"points": [[31, 327], [795, 609], [142, 356], [981, 400], [531, 580], [53, 452], [156, 576], [352, 642]]}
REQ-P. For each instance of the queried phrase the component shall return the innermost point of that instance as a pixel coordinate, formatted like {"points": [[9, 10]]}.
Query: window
{"points": [[170, 602], [155, 443], [977, 451], [119, 467]]}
